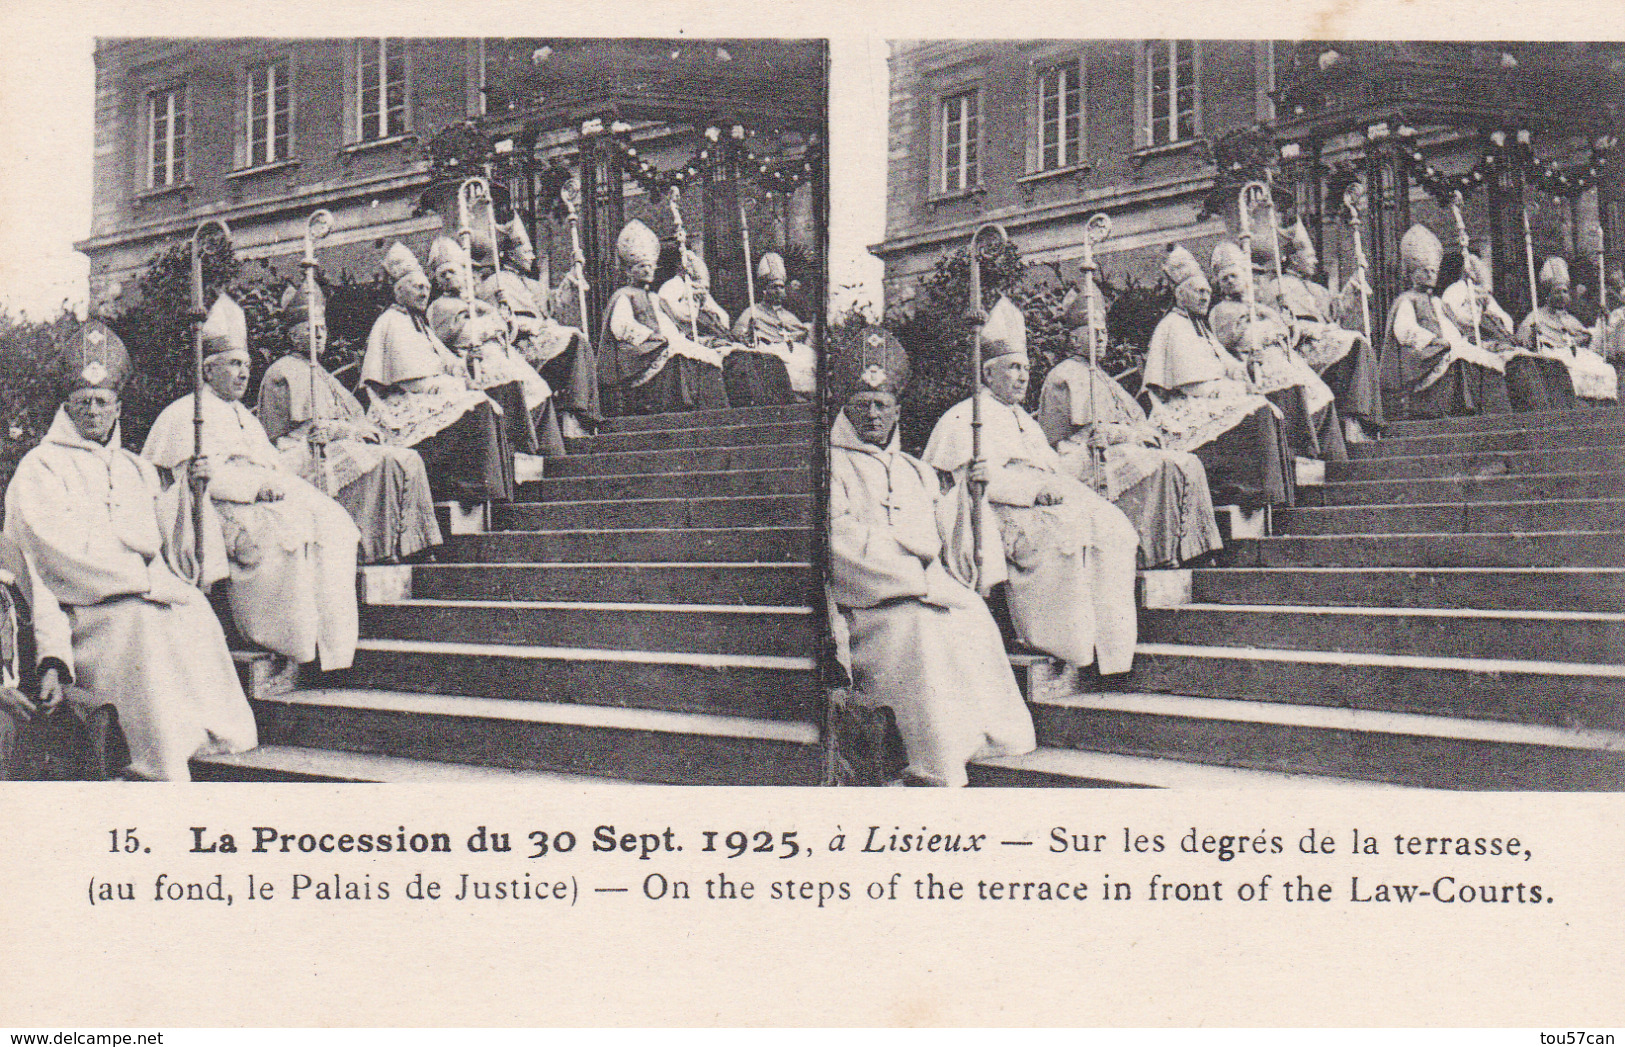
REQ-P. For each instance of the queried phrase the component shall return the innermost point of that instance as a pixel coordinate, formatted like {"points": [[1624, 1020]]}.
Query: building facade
{"points": [[262, 132], [1039, 135]]}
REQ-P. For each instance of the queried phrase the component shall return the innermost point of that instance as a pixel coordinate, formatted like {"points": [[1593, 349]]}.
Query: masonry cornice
{"points": [[321, 194], [1018, 217]]}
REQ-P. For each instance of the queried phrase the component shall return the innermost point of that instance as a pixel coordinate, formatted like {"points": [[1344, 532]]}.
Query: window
{"points": [[961, 119], [166, 137], [268, 123], [381, 88], [1170, 91], [1060, 117]]}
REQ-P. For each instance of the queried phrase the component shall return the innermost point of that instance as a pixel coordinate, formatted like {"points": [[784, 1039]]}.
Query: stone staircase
{"points": [[645, 613], [1448, 612]]}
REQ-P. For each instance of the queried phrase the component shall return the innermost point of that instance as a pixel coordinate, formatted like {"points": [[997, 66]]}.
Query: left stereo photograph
{"points": [[441, 411]]}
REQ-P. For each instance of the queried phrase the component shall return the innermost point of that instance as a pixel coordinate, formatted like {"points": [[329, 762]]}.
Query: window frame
{"points": [[356, 121], [249, 142], [180, 106], [1148, 94], [1037, 161], [968, 171]]}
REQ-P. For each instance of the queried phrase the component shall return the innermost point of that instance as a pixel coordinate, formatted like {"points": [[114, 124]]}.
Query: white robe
{"points": [[292, 587], [1410, 333], [1163, 492], [1071, 565], [625, 327], [1557, 335], [778, 330], [919, 641], [418, 387], [477, 331], [86, 518]]}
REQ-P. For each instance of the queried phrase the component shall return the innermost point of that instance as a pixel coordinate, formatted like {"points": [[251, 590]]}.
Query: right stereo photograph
{"points": [[1234, 414]]}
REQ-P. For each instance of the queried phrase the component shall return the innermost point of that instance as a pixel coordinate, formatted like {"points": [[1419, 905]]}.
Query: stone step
{"points": [[1550, 636], [1436, 752], [733, 484], [785, 510], [1534, 549], [731, 416], [680, 460], [1537, 588], [1604, 458], [292, 763], [1526, 487], [1560, 694], [600, 741], [635, 545], [700, 628], [777, 687], [1506, 440], [718, 583], [803, 433], [1594, 514], [1503, 422], [1052, 767]]}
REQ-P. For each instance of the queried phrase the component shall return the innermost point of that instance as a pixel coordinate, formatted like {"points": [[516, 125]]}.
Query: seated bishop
{"points": [[650, 364], [1430, 368], [768, 323], [1106, 441], [325, 436], [1265, 338], [912, 636], [421, 397], [474, 330], [1554, 333], [1533, 382], [562, 355], [1068, 553], [753, 375], [290, 549], [1205, 402], [1344, 359], [112, 615]]}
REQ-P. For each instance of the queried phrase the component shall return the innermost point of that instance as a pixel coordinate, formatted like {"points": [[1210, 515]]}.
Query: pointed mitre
{"points": [[695, 266], [1180, 266], [94, 358], [512, 237], [446, 252], [296, 309], [1296, 241], [1005, 333], [868, 359], [1228, 259], [226, 329], [637, 245], [771, 268], [1554, 272], [1420, 246], [400, 262]]}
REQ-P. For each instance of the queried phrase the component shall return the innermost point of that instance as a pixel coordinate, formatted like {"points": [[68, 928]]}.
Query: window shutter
{"points": [[350, 96], [1196, 88], [1142, 94], [406, 83], [240, 152], [185, 172]]}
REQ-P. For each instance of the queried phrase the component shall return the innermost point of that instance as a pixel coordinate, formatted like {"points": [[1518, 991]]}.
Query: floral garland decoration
{"points": [[779, 174], [1504, 153]]}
